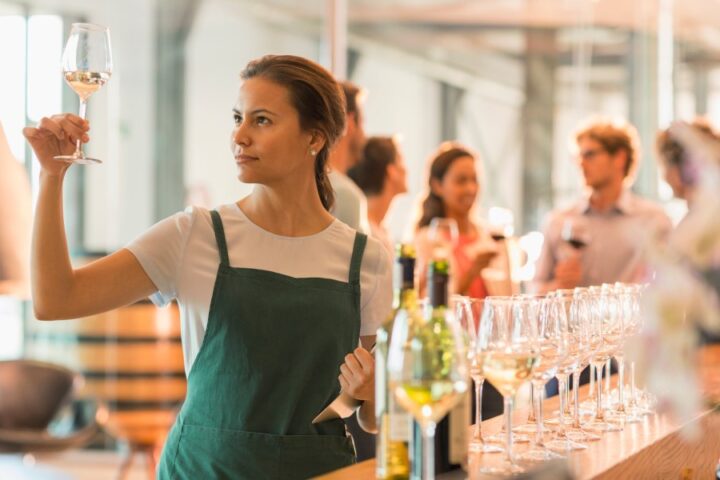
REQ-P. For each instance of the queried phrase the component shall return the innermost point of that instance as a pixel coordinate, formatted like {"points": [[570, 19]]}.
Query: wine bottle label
{"points": [[458, 430]]}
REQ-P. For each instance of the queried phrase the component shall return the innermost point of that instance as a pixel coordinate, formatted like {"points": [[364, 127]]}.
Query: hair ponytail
{"points": [[325, 190]]}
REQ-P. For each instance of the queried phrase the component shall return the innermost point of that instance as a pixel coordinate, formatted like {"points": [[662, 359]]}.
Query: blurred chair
{"points": [[32, 394], [132, 361]]}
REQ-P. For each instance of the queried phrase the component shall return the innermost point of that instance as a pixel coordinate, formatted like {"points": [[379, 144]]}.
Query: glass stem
{"points": [[633, 393], [429, 451], [531, 415], [478, 410], [608, 366], [621, 384], [567, 396], [592, 381], [576, 398], [562, 386], [538, 400], [508, 430], [598, 382], [78, 145]]}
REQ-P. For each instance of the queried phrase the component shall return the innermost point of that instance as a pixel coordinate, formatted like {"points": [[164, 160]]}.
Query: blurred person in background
{"points": [[381, 175], [602, 237], [350, 203], [453, 189], [351, 208], [682, 172], [15, 224], [678, 170]]}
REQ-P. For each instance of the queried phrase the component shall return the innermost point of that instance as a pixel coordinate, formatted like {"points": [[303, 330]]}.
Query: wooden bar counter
{"points": [[656, 448]]}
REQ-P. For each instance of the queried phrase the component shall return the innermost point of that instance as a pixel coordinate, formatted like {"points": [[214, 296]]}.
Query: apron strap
{"points": [[220, 237], [356, 261]]}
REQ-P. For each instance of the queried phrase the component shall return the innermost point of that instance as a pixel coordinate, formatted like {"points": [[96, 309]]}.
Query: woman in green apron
{"points": [[268, 345]]}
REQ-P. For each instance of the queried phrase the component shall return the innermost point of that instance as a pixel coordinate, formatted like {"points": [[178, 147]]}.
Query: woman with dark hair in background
{"points": [[453, 188], [381, 175], [275, 294]]}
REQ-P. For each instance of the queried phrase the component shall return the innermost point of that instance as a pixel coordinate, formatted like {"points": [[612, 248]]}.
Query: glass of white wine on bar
{"points": [[87, 66], [507, 341]]}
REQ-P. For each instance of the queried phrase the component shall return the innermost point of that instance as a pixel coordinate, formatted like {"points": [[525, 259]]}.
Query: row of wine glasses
{"points": [[531, 338], [510, 341]]}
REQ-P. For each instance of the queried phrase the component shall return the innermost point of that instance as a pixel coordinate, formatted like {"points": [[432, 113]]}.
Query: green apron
{"points": [[267, 366]]}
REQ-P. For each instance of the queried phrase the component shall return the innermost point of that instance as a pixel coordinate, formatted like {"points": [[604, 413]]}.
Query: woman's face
{"points": [[459, 187], [267, 142]]}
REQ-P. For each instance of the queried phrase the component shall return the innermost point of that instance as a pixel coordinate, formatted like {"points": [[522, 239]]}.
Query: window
{"points": [[30, 88]]}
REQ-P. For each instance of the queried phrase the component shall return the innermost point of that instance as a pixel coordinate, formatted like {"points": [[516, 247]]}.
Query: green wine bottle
{"points": [[392, 459]]}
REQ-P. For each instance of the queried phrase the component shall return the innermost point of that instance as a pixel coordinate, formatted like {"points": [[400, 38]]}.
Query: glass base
{"points": [[581, 435], [554, 421], [78, 160], [483, 447], [525, 428], [537, 454], [501, 438], [564, 445], [602, 426]]}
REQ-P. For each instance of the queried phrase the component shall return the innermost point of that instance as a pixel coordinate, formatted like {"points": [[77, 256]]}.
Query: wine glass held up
{"points": [[87, 66]]}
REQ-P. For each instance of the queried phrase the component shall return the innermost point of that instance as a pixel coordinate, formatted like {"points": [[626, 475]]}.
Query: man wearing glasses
{"points": [[602, 238]]}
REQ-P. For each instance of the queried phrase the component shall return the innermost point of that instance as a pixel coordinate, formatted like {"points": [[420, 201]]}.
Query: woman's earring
{"points": [[313, 152]]}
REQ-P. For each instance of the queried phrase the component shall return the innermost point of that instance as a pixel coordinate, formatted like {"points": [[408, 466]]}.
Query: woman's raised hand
{"points": [[56, 135]]}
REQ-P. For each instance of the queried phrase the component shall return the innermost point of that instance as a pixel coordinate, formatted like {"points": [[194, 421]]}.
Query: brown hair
{"points": [[433, 206], [318, 99], [614, 137], [671, 152], [352, 92], [370, 173]]}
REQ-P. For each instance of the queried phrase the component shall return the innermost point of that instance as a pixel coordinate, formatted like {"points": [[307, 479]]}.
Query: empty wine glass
{"points": [[87, 66], [443, 236], [572, 322], [552, 345], [606, 321], [468, 312]]}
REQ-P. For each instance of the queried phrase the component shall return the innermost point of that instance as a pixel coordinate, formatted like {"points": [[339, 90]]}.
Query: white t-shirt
{"points": [[181, 257], [350, 202]]}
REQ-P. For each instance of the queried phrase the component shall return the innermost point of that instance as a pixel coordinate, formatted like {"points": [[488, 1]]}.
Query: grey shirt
{"points": [[350, 202], [618, 240]]}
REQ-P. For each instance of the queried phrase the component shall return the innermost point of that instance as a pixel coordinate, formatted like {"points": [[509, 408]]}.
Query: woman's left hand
{"points": [[357, 374]]}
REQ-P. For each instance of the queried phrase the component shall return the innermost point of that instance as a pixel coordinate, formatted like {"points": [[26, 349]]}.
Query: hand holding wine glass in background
{"points": [[568, 271], [575, 232]]}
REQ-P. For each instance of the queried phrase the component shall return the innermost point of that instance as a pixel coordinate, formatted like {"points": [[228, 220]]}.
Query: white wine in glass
{"points": [[507, 371], [87, 66]]}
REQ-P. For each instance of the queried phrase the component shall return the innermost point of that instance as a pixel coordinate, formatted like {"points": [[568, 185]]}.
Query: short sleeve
{"points": [[160, 251], [376, 285]]}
